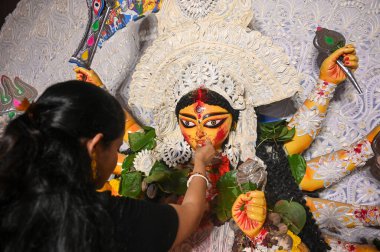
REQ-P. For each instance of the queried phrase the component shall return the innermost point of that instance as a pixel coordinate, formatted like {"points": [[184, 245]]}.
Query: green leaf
{"points": [[249, 186], [159, 166], [275, 131], [329, 40], [139, 141], [288, 136], [292, 213], [130, 185], [168, 180], [228, 193], [297, 166], [128, 162]]}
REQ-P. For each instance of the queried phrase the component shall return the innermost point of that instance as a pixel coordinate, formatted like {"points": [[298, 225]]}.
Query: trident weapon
{"points": [[98, 12]]}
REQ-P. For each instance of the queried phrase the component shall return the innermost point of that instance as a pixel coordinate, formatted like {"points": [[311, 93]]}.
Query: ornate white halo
{"points": [[215, 52]]}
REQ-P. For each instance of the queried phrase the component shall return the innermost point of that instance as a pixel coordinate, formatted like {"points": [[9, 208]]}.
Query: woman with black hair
{"points": [[54, 157]]}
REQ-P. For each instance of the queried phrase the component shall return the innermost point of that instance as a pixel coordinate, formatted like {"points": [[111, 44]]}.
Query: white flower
{"points": [[307, 121], [322, 93], [330, 216], [329, 168], [174, 150], [367, 192], [359, 152], [261, 248], [144, 161]]}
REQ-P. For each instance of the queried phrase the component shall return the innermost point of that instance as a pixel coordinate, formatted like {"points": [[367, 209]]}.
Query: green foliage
{"points": [[128, 162], [168, 180], [292, 213], [140, 141], [275, 131], [297, 166], [130, 185], [228, 192], [247, 187]]}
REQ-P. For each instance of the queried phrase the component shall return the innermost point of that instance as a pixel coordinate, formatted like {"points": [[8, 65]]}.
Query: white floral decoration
{"points": [[144, 161], [174, 150], [262, 248], [322, 93], [308, 121], [359, 152], [329, 168], [329, 216], [232, 149], [367, 192], [196, 9]]}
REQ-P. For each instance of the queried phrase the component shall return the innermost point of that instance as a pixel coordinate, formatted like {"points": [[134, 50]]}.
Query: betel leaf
{"points": [[275, 131], [228, 193], [159, 166], [168, 180], [130, 185], [297, 166], [128, 163], [288, 135], [139, 140], [247, 187], [293, 214]]}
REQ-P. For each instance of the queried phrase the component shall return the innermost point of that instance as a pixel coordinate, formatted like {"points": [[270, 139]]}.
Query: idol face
{"points": [[200, 121]]}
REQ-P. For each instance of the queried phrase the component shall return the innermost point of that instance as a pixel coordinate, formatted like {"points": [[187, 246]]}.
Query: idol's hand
{"points": [[204, 154], [331, 72], [89, 76], [249, 212]]}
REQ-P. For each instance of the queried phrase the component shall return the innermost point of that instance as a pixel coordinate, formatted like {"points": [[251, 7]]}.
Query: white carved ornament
{"points": [[215, 51]]}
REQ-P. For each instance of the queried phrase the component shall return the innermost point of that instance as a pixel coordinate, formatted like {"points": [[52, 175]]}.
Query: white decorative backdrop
{"points": [[39, 37]]}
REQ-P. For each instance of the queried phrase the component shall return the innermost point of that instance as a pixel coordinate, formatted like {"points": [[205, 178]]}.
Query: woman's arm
{"points": [[308, 119], [191, 210]]}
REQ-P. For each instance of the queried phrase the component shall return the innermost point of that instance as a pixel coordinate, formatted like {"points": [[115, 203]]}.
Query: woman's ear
{"points": [[92, 143]]}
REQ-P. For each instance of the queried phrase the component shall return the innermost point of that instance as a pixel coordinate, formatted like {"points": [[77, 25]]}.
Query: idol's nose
{"points": [[200, 132]]}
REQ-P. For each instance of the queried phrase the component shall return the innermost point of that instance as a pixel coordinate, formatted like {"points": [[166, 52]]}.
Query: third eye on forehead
{"points": [[204, 116]]}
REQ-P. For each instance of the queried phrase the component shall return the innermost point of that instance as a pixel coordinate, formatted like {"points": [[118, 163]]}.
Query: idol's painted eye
{"points": [[187, 124], [214, 123]]}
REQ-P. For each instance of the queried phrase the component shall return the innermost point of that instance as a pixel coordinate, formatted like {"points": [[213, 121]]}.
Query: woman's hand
{"points": [[89, 76], [331, 72], [204, 154]]}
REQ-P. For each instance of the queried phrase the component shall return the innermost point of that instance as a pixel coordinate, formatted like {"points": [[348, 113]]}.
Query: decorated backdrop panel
{"points": [[39, 37]]}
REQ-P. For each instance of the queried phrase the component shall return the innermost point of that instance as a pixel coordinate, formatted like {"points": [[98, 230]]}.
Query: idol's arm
{"points": [[327, 169], [307, 121], [349, 215]]}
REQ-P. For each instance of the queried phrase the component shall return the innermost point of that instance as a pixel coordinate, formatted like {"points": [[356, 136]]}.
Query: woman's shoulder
{"points": [[142, 225]]}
